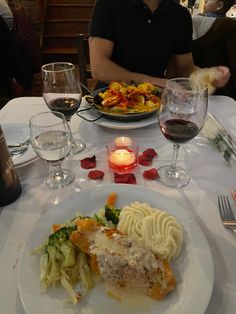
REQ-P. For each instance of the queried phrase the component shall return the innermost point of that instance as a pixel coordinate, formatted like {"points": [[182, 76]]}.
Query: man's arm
{"points": [[180, 66], [105, 70], [183, 66]]}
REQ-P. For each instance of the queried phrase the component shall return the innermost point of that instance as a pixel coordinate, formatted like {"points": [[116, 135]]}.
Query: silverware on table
{"points": [[226, 213], [233, 193], [18, 149], [219, 135]]}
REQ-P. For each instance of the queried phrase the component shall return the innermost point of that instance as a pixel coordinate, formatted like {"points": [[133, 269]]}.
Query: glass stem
{"points": [[57, 170], [174, 157], [69, 124]]}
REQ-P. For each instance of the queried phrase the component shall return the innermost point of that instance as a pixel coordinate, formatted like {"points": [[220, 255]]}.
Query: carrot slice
{"points": [[56, 227], [157, 291], [111, 199], [79, 241]]}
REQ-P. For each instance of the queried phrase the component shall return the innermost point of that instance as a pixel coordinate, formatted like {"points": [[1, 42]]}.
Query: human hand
{"points": [[213, 77], [222, 75]]}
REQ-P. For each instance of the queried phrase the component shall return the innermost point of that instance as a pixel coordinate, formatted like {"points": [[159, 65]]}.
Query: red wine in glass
{"points": [[62, 92], [181, 117], [179, 131], [66, 105]]}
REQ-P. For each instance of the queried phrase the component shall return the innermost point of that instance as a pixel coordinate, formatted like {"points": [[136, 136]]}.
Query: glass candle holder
{"points": [[122, 154]]}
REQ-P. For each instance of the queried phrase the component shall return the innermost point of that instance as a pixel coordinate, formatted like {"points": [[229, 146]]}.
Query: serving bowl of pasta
{"points": [[125, 102]]}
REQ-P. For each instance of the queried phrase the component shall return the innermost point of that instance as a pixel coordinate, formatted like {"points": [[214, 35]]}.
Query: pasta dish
{"points": [[122, 98]]}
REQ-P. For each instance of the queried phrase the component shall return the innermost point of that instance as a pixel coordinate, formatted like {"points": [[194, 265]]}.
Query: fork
{"points": [[18, 149], [226, 213]]}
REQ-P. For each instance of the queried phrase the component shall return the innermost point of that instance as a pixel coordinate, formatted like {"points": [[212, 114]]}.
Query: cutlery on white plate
{"points": [[18, 149]]}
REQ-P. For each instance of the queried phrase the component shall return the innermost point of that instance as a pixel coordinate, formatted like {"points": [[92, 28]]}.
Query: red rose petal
{"points": [[124, 178], [96, 174], [150, 152], [89, 162], [151, 174], [144, 161]]}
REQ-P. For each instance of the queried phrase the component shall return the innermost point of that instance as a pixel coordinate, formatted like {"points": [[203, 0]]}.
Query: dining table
{"points": [[211, 175]]}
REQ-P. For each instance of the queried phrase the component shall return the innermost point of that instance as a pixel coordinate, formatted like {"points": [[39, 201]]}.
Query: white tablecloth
{"points": [[210, 176]]}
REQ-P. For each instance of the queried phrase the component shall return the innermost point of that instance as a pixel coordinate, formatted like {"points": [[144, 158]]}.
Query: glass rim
{"points": [[70, 65], [54, 113], [200, 86]]}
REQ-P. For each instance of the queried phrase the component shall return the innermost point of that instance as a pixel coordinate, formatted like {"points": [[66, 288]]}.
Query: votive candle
{"points": [[122, 154]]}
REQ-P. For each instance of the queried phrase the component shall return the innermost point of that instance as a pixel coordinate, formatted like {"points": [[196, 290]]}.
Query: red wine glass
{"points": [[62, 92], [181, 117]]}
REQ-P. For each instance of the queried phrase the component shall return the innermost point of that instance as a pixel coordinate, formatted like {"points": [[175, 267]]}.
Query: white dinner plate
{"points": [[193, 269], [112, 124], [16, 133]]}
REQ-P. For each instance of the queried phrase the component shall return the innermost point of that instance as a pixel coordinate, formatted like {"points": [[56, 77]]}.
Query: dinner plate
{"points": [[16, 133], [119, 125], [193, 269]]}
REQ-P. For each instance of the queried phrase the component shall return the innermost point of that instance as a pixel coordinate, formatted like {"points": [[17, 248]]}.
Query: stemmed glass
{"points": [[181, 118], [62, 92], [50, 137]]}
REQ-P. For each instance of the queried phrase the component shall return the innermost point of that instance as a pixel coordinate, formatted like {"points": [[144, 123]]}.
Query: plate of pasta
{"points": [[125, 102], [147, 255]]}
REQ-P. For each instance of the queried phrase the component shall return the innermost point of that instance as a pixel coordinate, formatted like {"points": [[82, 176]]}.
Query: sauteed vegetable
{"points": [[86, 249], [122, 98]]}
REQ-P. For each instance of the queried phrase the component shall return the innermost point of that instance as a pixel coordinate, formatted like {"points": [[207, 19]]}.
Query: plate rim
{"points": [[17, 161], [110, 187], [120, 125]]}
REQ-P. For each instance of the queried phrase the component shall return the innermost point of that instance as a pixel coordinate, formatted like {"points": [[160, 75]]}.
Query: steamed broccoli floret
{"points": [[53, 266], [100, 219], [80, 217], [62, 249], [60, 236], [68, 252], [112, 214]]}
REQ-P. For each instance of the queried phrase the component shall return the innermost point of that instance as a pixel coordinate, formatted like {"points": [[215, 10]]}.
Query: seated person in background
{"points": [[20, 55], [217, 8], [143, 41], [214, 44], [6, 13], [7, 60]]}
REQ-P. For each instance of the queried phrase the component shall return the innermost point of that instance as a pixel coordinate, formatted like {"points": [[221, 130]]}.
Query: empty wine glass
{"points": [[50, 137], [181, 117], [62, 92]]}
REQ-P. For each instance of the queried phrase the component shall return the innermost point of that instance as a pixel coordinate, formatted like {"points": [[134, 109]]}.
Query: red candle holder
{"points": [[122, 154]]}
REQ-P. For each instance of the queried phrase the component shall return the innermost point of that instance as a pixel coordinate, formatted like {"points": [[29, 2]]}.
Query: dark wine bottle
{"points": [[10, 187]]}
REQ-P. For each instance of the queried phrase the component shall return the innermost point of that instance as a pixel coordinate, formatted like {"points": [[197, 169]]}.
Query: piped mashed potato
{"points": [[156, 229]]}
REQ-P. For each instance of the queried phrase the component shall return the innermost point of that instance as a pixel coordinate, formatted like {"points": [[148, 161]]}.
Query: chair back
{"points": [[218, 47], [83, 61]]}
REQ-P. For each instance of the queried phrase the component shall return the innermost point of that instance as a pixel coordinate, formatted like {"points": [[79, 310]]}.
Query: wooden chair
{"points": [[218, 47], [83, 62]]}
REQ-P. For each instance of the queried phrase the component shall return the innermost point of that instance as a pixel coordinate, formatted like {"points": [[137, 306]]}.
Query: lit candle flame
{"points": [[122, 157]]}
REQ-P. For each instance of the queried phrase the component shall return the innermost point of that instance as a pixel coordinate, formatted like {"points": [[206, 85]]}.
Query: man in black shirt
{"points": [[134, 40]]}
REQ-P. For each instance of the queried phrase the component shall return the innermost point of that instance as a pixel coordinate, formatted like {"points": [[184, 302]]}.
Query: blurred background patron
{"points": [[6, 13], [214, 44], [217, 8]]}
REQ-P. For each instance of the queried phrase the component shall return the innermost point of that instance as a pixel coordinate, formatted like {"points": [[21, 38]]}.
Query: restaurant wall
{"points": [[31, 8]]}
